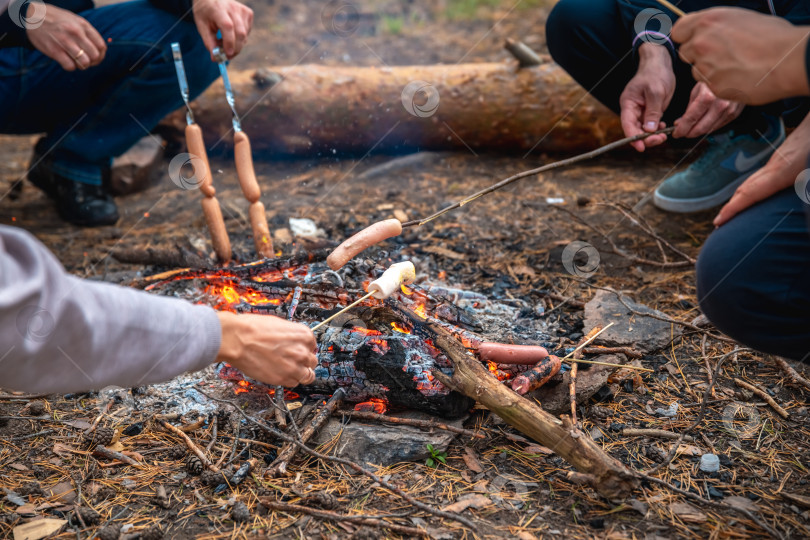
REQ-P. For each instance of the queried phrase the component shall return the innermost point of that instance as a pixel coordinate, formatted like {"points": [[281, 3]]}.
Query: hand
{"points": [[268, 349], [705, 113], [744, 55], [63, 36], [780, 172], [647, 95], [232, 18]]}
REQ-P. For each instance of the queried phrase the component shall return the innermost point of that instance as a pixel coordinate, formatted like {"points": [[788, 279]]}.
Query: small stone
{"points": [[715, 493], [597, 523], [110, 532], [152, 533], [240, 512], [596, 434]]}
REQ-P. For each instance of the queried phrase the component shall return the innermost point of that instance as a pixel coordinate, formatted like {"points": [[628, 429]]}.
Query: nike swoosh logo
{"points": [[744, 163]]}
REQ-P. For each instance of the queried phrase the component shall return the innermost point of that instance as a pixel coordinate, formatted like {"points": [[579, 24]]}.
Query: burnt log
{"points": [[608, 476], [313, 109]]}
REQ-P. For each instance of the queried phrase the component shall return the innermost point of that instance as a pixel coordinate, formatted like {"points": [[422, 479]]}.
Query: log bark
{"points": [[312, 109], [609, 477]]}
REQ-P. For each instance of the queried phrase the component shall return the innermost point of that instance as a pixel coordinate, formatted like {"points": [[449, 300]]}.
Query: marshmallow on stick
{"points": [[392, 279], [382, 287]]}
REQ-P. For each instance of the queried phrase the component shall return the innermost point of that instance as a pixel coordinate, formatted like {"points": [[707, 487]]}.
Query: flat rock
{"points": [[555, 398], [629, 330], [139, 168], [382, 444]]}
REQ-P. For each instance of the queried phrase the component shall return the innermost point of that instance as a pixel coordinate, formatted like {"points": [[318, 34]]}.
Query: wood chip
{"points": [[471, 460], [801, 500], [444, 252], [62, 492], [34, 530], [742, 502], [687, 512], [468, 501]]}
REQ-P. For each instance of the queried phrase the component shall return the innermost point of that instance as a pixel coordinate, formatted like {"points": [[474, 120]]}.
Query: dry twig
{"points": [[334, 516], [191, 446], [424, 424], [792, 373], [764, 395]]}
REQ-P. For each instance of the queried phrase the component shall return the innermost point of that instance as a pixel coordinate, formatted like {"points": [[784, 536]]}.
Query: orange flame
{"points": [[421, 311], [406, 290], [376, 405], [366, 331], [400, 328]]}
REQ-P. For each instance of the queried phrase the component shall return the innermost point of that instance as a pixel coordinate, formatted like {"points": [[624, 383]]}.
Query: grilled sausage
{"points": [[373, 234], [502, 353]]}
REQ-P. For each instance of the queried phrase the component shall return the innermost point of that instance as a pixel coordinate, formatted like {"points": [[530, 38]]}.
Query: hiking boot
{"points": [[712, 179], [82, 204]]}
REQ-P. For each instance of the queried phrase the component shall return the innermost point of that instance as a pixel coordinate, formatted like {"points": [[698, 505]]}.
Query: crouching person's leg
{"points": [[753, 277], [94, 115]]}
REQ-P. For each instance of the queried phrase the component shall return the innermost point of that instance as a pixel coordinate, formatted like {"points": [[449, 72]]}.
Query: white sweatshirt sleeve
{"points": [[59, 333]]}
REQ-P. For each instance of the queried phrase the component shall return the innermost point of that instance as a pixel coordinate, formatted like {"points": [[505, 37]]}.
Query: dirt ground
{"points": [[508, 243]]}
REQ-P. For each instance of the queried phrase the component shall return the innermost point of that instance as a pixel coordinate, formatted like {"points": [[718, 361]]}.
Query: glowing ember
{"points": [[366, 331], [401, 328], [421, 311], [375, 405]]}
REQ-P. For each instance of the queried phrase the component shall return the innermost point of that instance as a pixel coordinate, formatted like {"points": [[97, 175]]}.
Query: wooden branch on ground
{"points": [[424, 424], [191, 446], [288, 451], [334, 516], [105, 452], [606, 475], [627, 351], [794, 375], [764, 395], [652, 432]]}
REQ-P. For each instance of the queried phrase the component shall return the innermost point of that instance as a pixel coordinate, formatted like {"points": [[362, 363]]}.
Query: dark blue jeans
{"points": [[94, 115], [753, 277]]}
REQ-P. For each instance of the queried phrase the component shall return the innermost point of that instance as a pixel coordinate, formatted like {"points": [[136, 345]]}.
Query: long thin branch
{"points": [[764, 395], [191, 446], [533, 172], [424, 424], [334, 516], [792, 373]]}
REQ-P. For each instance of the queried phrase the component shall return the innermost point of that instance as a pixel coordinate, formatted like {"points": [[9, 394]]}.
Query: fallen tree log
{"points": [[314, 109], [608, 476]]}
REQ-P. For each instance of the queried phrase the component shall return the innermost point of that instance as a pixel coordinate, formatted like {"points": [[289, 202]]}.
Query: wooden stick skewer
{"points": [[674, 9], [344, 310], [586, 342], [547, 167]]}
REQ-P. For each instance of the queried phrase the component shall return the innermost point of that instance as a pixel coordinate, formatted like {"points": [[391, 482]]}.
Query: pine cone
{"points": [[110, 532], [240, 512], [102, 435], [213, 479], [89, 516], [178, 451], [194, 465], [324, 500], [152, 533]]}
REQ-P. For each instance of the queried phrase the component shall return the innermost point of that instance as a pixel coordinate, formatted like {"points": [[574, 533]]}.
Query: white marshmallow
{"points": [[392, 279]]}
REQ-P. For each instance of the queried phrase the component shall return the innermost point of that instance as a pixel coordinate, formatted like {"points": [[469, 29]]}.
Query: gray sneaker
{"points": [[712, 179]]}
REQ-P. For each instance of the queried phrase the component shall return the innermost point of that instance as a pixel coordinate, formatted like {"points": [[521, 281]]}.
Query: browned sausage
{"points": [[261, 232], [244, 167], [502, 353], [202, 170], [537, 376], [373, 234], [216, 227]]}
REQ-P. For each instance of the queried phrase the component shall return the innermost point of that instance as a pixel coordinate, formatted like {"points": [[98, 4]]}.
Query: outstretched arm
{"points": [[59, 333]]}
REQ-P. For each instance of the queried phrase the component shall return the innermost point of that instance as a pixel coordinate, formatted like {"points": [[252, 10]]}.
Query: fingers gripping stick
{"points": [[381, 288]]}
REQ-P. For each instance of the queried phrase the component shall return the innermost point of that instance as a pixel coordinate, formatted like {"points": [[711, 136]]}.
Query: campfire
{"points": [[381, 352]]}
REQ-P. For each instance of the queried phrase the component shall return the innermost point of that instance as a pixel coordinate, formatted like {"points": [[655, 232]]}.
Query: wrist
{"points": [[650, 54], [231, 346]]}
